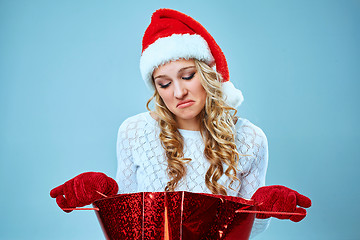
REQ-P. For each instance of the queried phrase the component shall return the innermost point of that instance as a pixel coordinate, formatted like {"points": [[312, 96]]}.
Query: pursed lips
{"points": [[184, 102]]}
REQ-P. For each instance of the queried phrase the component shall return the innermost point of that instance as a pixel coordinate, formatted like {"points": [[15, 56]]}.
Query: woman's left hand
{"points": [[278, 198]]}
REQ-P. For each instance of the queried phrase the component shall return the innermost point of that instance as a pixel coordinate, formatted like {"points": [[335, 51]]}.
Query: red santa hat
{"points": [[173, 35]]}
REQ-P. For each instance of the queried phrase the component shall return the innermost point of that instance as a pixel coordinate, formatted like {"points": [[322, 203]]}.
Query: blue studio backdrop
{"points": [[69, 76]]}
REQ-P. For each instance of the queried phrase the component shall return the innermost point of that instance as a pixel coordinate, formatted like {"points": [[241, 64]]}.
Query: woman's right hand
{"points": [[83, 190]]}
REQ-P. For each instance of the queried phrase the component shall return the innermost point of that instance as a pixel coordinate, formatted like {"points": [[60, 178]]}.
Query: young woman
{"points": [[192, 140]]}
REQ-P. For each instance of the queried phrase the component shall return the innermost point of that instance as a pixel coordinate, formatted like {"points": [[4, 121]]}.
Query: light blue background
{"points": [[69, 76]]}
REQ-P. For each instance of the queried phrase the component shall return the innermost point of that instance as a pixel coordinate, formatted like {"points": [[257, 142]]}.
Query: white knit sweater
{"points": [[142, 163]]}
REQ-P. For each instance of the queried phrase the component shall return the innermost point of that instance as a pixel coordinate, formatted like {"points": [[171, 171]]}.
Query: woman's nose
{"points": [[179, 90]]}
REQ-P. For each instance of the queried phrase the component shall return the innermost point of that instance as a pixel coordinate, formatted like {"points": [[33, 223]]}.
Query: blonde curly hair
{"points": [[217, 130]]}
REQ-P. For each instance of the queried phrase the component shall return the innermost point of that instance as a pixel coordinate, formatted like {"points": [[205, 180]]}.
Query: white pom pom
{"points": [[232, 96]]}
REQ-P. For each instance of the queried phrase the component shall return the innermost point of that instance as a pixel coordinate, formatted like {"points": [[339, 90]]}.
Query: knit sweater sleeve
{"points": [[253, 149], [126, 171]]}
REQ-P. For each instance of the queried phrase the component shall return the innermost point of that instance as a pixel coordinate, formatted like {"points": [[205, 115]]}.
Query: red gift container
{"points": [[174, 216]]}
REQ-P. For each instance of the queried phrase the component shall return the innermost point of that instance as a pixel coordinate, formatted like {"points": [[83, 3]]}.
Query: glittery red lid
{"points": [[189, 216]]}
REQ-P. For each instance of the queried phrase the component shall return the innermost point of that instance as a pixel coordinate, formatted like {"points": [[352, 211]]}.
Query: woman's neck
{"points": [[188, 124]]}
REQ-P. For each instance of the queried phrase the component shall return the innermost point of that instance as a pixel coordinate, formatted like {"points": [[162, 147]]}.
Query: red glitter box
{"points": [[175, 215]]}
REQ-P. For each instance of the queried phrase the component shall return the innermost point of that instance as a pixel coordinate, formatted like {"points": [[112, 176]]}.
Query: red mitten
{"points": [[82, 190], [280, 199]]}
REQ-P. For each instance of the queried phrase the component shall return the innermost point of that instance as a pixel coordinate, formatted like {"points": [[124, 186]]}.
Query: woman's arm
{"points": [[126, 171], [253, 143]]}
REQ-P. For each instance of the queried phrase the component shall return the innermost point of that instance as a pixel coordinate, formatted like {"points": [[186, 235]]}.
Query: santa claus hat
{"points": [[173, 35]]}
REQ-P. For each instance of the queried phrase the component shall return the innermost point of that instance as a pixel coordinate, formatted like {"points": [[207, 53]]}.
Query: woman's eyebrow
{"points": [[184, 68], [180, 71], [159, 76]]}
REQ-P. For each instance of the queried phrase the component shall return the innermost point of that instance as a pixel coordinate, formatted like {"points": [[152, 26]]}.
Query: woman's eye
{"points": [[189, 77], [164, 85]]}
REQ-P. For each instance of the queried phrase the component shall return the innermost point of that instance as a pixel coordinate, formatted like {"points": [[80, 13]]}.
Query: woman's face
{"points": [[178, 84]]}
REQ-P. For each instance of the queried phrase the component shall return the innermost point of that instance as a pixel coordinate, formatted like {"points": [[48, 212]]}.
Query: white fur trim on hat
{"points": [[232, 96], [176, 46]]}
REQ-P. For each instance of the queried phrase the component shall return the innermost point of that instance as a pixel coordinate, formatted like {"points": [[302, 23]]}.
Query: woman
{"points": [[192, 140]]}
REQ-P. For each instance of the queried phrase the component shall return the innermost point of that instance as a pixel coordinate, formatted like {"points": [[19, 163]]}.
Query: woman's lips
{"points": [[184, 104]]}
